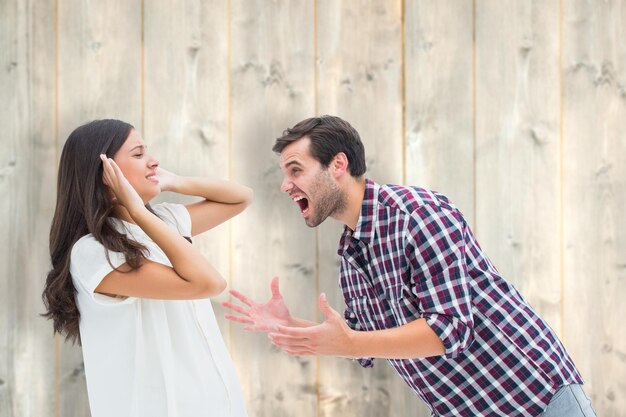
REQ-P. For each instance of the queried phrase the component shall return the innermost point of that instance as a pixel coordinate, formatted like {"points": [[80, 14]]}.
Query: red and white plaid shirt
{"points": [[412, 255]]}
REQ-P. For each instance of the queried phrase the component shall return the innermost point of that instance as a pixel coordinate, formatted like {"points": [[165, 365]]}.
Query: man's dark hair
{"points": [[329, 135]]}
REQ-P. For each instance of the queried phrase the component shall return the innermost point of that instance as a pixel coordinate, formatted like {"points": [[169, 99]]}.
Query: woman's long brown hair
{"points": [[83, 207]]}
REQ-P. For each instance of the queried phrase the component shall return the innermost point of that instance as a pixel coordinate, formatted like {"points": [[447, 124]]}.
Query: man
{"points": [[419, 291]]}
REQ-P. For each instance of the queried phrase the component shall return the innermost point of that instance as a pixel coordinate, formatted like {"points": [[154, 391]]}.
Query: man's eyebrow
{"points": [[292, 162], [138, 146]]}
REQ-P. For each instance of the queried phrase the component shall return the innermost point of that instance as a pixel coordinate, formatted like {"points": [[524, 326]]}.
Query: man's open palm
{"points": [[260, 317]]}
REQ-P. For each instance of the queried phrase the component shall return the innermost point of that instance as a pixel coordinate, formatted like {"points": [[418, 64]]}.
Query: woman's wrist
{"points": [[136, 213]]}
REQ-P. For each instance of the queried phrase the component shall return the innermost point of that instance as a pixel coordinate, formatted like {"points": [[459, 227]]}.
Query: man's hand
{"points": [[333, 337], [261, 317]]}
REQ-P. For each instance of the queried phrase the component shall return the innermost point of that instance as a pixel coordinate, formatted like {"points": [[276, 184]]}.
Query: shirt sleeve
{"points": [[175, 215], [89, 265], [440, 277], [350, 314]]}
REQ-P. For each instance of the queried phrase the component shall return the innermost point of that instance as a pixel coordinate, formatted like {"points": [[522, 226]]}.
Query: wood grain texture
{"points": [[99, 77], [533, 151], [186, 105], [359, 72], [518, 147], [439, 104], [594, 197], [272, 73], [27, 184]]}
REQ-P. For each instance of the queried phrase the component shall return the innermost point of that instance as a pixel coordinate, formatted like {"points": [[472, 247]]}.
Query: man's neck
{"points": [[354, 192]]}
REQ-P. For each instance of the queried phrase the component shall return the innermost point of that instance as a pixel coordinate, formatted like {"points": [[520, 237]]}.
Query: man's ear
{"points": [[339, 164]]}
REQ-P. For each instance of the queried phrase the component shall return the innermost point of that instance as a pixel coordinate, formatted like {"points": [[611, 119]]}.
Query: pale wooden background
{"points": [[514, 109]]}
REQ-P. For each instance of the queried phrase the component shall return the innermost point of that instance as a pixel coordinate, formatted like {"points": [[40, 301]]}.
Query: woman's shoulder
{"points": [[88, 250], [85, 244]]}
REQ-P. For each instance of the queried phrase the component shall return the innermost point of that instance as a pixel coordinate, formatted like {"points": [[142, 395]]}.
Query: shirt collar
{"points": [[368, 217]]}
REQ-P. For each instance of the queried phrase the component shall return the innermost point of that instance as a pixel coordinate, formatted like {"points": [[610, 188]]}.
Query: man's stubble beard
{"points": [[330, 200]]}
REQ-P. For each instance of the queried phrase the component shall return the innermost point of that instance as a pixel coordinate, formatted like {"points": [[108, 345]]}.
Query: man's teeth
{"points": [[298, 198]]}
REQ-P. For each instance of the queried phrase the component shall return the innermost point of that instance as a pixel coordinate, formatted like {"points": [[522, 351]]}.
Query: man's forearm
{"points": [[412, 340]]}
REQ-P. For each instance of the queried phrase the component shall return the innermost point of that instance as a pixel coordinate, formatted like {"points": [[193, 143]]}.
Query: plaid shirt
{"points": [[413, 256]]}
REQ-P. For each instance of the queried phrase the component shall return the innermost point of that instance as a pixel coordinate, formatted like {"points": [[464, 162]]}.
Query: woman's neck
{"points": [[121, 213]]}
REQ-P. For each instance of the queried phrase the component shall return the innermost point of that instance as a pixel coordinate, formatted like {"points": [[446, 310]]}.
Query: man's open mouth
{"points": [[303, 203]]}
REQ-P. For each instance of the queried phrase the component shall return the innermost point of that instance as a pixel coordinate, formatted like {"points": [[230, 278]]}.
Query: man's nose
{"points": [[286, 185]]}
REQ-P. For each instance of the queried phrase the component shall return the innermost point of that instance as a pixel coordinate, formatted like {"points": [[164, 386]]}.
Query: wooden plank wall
{"points": [[514, 109], [28, 366], [594, 197], [518, 147]]}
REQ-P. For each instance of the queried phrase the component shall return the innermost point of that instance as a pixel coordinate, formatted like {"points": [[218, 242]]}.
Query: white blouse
{"points": [[145, 357]]}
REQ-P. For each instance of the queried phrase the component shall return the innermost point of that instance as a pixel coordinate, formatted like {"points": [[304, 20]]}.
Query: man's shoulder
{"points": [[409, 198]]}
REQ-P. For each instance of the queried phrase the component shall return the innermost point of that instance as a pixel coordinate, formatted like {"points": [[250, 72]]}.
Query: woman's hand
{"points": [[124, 193], [261, 317], [167, 179]]}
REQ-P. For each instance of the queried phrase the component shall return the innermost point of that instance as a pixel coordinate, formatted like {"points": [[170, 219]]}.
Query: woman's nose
{"points": [[153, 162]]}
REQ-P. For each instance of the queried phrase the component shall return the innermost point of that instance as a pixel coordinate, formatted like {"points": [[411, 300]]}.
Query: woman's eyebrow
{"points": [[138, 146]]}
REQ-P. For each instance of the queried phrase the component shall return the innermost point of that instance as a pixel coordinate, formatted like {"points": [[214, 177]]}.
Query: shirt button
{"points": [[352, 315]]}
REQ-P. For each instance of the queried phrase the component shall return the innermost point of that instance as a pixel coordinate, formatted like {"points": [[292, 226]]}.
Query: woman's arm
{"points": [[222, 199], [191, 275]]}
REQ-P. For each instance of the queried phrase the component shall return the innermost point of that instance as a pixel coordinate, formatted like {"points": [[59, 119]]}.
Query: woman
{"points": [[128, 285]]}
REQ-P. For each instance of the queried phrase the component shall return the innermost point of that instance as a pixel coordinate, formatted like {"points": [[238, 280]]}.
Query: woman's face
{"points": [[138, 166]]}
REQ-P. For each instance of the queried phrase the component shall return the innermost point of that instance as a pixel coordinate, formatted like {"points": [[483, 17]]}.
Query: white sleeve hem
{"points": [[103, 299]]}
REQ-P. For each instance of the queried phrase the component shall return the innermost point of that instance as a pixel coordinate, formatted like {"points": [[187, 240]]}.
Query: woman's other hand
{"points": [[167, 179]]}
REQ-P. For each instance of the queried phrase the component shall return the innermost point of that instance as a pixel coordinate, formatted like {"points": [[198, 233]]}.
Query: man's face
{"points": [[309, 184]]}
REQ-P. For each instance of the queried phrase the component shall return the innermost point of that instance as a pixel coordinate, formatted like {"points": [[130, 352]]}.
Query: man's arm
{"points": [[333, 337]]}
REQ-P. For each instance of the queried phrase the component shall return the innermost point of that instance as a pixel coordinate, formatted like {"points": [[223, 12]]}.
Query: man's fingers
{"points": [[274, 287], [300, 352], [242, 298], [286, 340], [239, 319], [302, 332], [257, 328], [324, 307], [237, 308], [291, 345]]}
